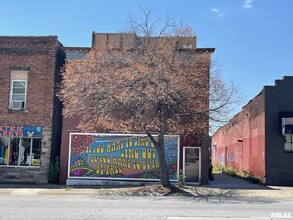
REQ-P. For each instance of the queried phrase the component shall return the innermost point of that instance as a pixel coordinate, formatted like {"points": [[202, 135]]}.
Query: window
{"points": [[286, 119], [19, 151], [18, 94], [187, 46], [18, 89], [288, 142]]}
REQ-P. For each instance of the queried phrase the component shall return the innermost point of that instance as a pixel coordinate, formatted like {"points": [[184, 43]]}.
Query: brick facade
{"points": [[240, 143], [125, 41], [252, 140], [42, 58]]}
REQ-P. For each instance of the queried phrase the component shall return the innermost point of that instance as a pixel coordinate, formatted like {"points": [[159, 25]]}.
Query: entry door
{"points": [[191, 166]]}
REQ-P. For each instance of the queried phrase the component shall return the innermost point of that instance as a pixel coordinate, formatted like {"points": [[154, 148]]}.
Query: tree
{"points": [[144, 83]]}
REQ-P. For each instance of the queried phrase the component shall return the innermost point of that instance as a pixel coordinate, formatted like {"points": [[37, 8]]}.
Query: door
{"points": [[191, 166]]}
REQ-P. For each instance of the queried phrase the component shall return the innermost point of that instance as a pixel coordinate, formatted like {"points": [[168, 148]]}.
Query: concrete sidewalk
{"points": [[222, 185], [224, 181], [56, 189], [244, 188]]}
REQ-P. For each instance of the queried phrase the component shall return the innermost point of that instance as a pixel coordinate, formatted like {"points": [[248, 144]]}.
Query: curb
{"points": [[199, 191], [40, 191]]}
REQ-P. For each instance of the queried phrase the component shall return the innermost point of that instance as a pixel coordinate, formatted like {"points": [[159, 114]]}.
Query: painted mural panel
{"points": [[119, 157]]}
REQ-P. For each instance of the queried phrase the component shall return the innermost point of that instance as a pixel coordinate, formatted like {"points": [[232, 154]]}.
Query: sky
{"points": [[253, 38]]}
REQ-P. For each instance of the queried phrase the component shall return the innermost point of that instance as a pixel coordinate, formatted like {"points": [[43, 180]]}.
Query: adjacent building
{"points": [[30, 113], [259, 139]]}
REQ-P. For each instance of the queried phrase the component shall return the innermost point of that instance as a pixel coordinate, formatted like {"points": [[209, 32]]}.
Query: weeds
{"points": [[245, 175], [181, 179], [53, 171], [217, 168]]}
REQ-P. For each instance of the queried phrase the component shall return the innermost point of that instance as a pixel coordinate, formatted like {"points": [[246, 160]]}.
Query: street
{"points": [[128, 207]]}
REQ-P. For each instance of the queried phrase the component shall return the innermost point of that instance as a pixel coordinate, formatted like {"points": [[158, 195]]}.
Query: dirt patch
{"points": [[159, 190], [149, 190]]}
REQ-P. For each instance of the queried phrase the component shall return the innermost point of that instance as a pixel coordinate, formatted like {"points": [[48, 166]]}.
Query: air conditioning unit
{"points": [[17, 105]]}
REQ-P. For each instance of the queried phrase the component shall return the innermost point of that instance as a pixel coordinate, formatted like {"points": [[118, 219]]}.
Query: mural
{"points": [[119, 157]]}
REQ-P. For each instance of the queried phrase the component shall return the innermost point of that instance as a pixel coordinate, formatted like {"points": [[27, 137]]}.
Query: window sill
{"points": [[15, 166], [14, 110]]}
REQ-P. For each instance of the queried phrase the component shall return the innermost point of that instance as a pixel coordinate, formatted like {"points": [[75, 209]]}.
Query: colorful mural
{"points": [[104, 156]]}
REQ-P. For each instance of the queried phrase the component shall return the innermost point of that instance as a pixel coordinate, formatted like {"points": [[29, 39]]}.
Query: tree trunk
{"points": [[162, 161], [159, 145]]}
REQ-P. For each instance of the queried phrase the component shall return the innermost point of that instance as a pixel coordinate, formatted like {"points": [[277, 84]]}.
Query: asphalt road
{"points": [[127, 207]]}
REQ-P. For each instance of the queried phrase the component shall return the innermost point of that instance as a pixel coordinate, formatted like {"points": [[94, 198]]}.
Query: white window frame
{"points": [[11, 95]]}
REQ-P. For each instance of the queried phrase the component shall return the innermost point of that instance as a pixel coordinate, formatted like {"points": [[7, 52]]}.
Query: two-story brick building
{"points": [[30, 113], [82, 154]]}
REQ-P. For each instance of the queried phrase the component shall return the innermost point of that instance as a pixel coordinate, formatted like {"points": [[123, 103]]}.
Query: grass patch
{"points": [[217, 168], [244, 175]]}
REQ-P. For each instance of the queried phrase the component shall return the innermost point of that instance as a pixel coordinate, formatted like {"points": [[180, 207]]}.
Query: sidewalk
{"points": [[244, 188], [222, 185], [224, 181]]}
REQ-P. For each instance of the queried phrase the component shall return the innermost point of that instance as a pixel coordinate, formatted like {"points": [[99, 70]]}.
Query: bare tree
{"points": [[152, 84]]}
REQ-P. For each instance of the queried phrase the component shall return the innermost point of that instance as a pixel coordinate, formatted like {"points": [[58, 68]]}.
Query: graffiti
{"points": [[98, 156], [231, 157], [21, 131]]}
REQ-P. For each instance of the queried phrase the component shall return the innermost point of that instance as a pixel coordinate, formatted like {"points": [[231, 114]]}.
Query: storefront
{"points": [[20, 146], [24, 154]]}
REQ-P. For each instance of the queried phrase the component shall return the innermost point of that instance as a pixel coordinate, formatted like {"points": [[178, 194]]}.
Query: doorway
{"points": [[192, 164]]}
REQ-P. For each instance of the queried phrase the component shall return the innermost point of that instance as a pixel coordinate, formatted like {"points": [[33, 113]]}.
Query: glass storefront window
{"points": [[18, 151], [4, 144]]}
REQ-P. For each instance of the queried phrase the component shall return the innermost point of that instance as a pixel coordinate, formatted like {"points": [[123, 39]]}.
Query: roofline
{"points": [[77, 48], [27, 36], [211, 50]]}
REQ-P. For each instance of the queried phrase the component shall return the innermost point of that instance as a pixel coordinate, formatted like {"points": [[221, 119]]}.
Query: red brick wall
{"points": [[241, 143], [69, 125], [39, 56], [203, 142], [200, 128]]}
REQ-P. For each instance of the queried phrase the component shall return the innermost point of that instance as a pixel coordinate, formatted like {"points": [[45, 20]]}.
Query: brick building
{"points": [[30, 113], [79, 164], [258, 140]]}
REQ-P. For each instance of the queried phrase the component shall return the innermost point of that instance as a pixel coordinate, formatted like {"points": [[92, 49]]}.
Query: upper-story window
{"points": [[18, 89], [18, 94], [187, 46]]}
